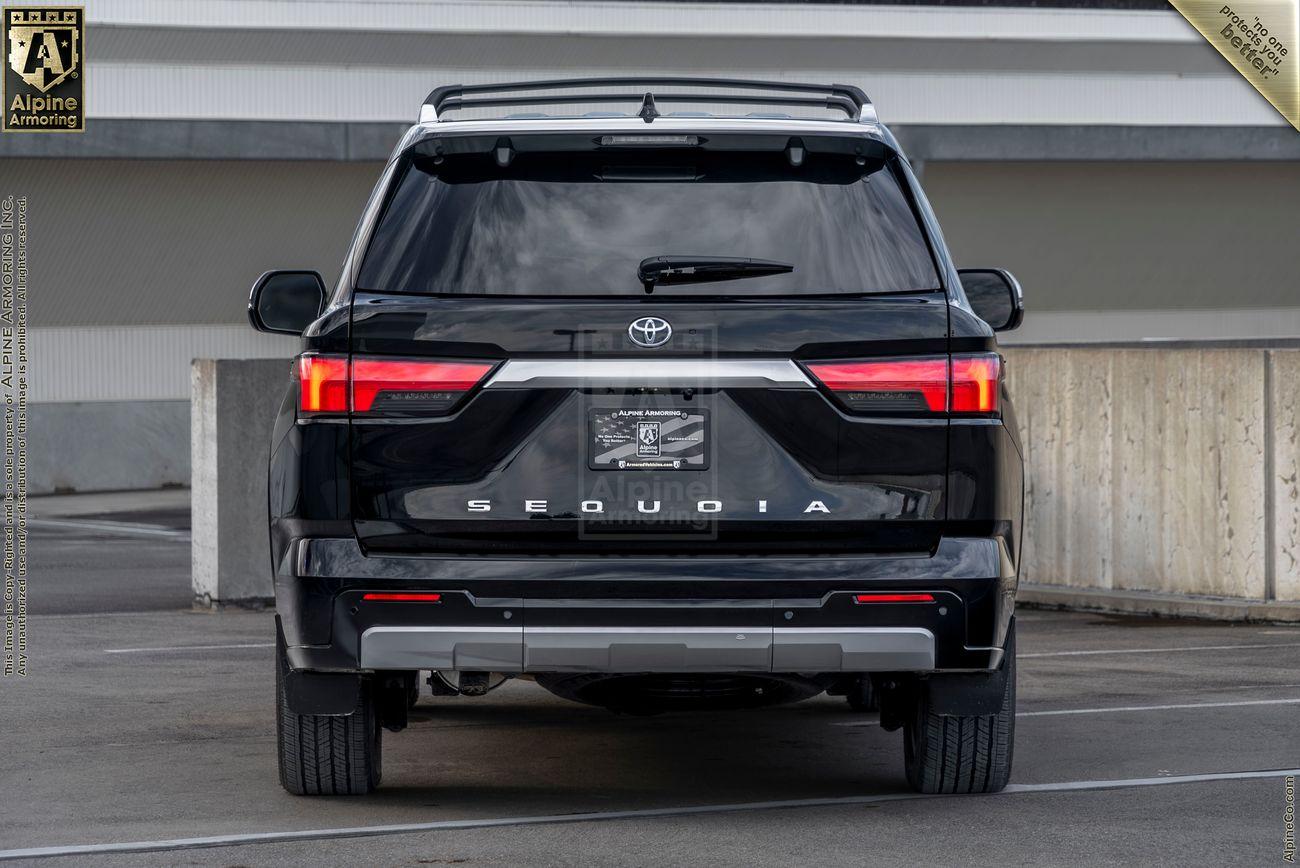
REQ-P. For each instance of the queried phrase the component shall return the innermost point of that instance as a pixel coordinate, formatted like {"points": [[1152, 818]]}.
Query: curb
{"points": [[1158, 605]]}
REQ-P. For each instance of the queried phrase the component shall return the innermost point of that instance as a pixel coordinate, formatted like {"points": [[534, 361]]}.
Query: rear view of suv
{"points": [[662, 409]]}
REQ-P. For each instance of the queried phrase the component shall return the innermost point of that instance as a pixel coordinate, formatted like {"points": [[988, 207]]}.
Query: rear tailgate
{"points": [[519, 390], [575, 440]]}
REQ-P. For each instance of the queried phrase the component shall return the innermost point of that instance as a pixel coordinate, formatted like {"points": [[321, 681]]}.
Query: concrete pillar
{"points": [[232, 409], [1284, 472]]}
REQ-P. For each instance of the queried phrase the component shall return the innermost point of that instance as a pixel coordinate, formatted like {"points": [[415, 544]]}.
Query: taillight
{"points": [[323, 384], [888, 385], [966, 384], [975, 383], [408, 386], [333, 384]]}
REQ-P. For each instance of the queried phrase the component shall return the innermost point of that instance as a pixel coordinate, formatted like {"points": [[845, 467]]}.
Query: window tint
{"points": [[578, 224]]}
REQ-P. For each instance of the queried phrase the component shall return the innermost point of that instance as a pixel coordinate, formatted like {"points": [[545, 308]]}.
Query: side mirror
{"points": [[995, 296], [286, 302]]}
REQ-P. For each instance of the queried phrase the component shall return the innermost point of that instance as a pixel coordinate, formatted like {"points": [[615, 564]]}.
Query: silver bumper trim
{"points": [[650, 649], [852, 649], [492, 649]]}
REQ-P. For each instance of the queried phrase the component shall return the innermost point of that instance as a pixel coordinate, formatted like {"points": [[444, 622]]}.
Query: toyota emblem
{"points": [[650, 332]]}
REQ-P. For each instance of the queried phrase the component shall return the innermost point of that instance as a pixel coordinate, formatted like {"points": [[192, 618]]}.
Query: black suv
{"points": [[664, 410]]}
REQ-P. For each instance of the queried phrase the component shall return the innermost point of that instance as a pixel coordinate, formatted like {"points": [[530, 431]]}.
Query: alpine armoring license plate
{"points": [[648, 439]]}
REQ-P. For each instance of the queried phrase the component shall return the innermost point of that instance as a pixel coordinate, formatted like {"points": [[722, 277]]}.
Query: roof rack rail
{"points": [[843, 97]]}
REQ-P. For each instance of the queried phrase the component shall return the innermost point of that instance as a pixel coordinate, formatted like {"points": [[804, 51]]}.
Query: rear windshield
{"points": [[579, 224]]}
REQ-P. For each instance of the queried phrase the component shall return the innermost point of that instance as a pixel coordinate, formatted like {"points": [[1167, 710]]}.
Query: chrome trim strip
{"points": [[604, 373]]}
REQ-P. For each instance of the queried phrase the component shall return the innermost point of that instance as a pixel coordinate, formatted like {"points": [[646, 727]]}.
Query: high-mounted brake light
{"points": [[893, 598], [333, 384], [964, 384], [404, 598]]}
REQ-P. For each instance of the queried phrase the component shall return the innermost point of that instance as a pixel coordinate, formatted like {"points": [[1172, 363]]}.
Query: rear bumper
{"points": [[646, 615]]}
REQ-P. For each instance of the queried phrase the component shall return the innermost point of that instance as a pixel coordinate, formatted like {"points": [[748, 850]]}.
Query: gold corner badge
{"points": [[1259, 38], [44, 77]]}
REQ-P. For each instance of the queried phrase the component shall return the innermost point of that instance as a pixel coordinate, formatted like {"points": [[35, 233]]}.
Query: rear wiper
{"points": [[667, 270]]}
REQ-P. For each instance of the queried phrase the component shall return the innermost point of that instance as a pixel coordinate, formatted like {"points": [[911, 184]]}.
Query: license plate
{"points": [[648, 439]]}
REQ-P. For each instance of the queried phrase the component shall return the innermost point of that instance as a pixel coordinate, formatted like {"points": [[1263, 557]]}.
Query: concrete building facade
{"points": [[1139, 188]]}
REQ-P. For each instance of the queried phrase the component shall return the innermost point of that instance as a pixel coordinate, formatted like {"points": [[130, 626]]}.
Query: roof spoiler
{"points": [[850, 100]]}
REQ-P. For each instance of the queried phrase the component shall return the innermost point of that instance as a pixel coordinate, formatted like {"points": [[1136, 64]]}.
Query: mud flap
{"points": [[957, 694], [329, 693]]}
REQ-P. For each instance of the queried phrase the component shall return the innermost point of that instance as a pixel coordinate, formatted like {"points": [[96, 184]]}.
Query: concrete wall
{"points": [[123, 298], [1165, 470], [1081, 236], [108, 445], [152, 242], [1125, 251]]}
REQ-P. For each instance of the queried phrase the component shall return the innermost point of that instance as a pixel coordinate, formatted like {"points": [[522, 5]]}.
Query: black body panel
{"points": [[805, 328], [326, 576], [914, 502], [774, 451]]}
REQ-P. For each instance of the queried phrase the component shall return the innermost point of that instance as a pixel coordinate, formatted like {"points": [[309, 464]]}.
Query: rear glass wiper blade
{"points": [[667, 270]]}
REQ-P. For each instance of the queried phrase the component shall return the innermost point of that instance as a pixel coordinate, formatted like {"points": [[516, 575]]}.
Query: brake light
{"points": [[893, 598], [333, 384], [404, 598], [888, 385], [975, 383], [323, 384], [964, 384], [412, 386]]}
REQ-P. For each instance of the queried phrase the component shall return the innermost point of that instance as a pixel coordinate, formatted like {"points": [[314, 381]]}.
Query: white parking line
{"points": [[112, 527], [598, 816], [1117, 709], [1022, 655], [170, 648], [1123, 708]]}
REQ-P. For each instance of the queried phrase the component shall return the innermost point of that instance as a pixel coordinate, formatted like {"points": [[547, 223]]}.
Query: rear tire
{"points": [[326, 755], [965, 753]]}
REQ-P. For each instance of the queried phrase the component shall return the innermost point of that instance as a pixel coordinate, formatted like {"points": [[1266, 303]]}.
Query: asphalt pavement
{"points": [[145, 735]]}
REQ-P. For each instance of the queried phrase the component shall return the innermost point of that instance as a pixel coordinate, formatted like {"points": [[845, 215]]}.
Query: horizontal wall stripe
{"points": [[660, 19], [137, 363], [975, 96], [338, 141], [152, 363], [1103, 326]]}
